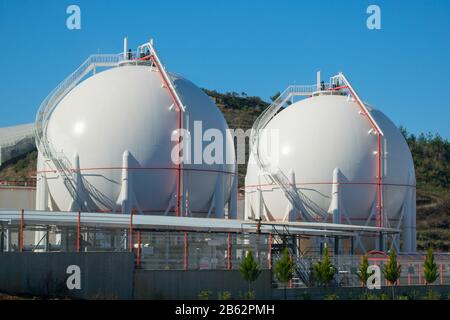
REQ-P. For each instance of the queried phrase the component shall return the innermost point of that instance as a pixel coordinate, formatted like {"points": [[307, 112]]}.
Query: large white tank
{"points": [[326, 132], [128, 109]]}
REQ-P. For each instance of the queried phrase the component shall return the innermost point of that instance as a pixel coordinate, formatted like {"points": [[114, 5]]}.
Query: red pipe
{"points": [[185, 251], [179, 134], [21, 231], [139, 248], [78, 231], [131, 232], [380, 205], [441, 276]]}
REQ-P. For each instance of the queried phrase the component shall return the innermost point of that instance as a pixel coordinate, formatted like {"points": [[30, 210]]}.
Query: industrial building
{"points": [[107, 136]]}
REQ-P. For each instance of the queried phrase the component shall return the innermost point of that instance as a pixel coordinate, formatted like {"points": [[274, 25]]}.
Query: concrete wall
{"points": [[17, 198], [354, 293], [103, 275], [178, 284]]}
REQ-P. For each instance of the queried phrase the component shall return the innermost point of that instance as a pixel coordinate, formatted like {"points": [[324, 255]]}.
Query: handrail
{"points": [[58, 159], [304, 205]]}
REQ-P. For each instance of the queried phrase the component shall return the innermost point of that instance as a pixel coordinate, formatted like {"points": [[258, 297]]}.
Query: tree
{"points": [[275, 96], [283, 269], [430, 268], [249, 269], [323, 271], [363, 275], [392, 270]]}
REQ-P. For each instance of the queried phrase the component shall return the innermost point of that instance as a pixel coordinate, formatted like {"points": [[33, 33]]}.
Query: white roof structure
{"points": [[150, 222], [11, 135]]}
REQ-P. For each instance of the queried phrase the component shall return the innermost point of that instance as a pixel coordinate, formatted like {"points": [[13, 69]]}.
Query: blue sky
{"points": [[258, 47]]}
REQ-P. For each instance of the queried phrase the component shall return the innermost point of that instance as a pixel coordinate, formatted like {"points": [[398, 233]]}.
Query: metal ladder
{"points": [[58, 160], [300, 268], [308, 210]]}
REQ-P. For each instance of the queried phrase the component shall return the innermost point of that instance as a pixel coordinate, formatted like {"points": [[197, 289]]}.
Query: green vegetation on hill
{"points": [[431, 154], [22, 168]]}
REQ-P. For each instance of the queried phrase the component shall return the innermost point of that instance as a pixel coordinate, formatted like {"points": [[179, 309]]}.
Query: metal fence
{"points": [[175, 250]]}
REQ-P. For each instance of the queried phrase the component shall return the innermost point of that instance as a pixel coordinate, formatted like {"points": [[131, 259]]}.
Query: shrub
{"points": [[249, 269], [204, 295], [225, 295], [323, 270], [432, 296], [283, 269]]}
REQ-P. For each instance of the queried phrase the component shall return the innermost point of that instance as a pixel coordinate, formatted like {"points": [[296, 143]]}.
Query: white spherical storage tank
{"points": [[117, 131], [329, 152]]}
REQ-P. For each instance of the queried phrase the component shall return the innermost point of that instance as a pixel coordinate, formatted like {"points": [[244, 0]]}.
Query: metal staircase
{"points": [[58, 160], [300, 268], [308, 210]]}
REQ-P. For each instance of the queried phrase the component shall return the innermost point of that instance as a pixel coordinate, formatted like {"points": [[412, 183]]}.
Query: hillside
{"points": [[431, 155]]}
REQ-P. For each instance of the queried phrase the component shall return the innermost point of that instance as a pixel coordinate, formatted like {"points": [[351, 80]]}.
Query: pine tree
{"points": [[430, 268], [323, 270], [363, 275], [249, 270], [392, 270], [283, 269]]}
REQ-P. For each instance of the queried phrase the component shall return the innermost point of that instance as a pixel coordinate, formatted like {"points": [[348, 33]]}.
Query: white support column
{"points": [[291, 212], [334, 208], [219, 199], [259, 214], [335, 204], [41, 197], [247, 205], [75, 204], [124, 199], [318, 80], [125, 48], [232, 204]]}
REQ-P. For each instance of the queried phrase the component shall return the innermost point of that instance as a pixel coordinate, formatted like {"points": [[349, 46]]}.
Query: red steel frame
{"points": [[379, 182]]}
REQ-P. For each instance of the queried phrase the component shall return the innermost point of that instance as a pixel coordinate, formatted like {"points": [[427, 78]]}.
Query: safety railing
{"points": [[59, 161], [304, 205]]}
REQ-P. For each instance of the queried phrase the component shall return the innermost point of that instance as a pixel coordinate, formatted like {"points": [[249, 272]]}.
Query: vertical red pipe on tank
{"points": [[177, 209], [179, 164], [441, 271], [380, 208], [21, 231], [185, 251], [379, 186], [78, 231]]}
